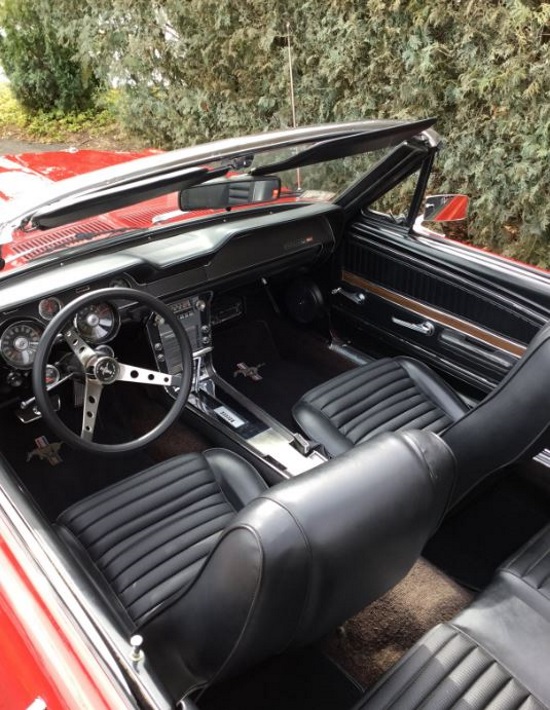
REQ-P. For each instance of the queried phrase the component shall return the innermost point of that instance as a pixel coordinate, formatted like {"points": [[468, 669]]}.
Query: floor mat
{"points": [[375, 639], [302, 680], [71, 476], [246, 356], [474, 541]]}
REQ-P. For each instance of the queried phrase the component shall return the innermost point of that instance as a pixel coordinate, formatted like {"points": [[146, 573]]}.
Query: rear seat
{"points": [[495, 655]]}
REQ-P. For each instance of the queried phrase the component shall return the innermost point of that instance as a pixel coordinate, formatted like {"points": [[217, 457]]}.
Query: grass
{"points": [[95, 128]]}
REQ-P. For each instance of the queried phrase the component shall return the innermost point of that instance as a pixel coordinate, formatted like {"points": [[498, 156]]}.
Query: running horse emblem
{"points": [[46, 451], [250, 371]]}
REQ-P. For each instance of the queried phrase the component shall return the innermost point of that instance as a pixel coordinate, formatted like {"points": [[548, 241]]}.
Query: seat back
{"points": [[511, 424], [303, 557]]}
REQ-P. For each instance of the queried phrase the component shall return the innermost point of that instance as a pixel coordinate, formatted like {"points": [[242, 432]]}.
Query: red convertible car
{"points": [[267, 439]]}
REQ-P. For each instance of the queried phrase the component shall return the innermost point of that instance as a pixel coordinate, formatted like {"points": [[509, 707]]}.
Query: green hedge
{"points": [[42, 70], [203, 69]]}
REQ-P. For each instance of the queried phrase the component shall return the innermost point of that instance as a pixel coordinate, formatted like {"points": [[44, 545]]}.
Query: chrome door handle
{"points": [[356, 297], [426, 328]]}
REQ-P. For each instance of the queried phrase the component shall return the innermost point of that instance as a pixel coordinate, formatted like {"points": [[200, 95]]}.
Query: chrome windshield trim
{"points": [[21, 209]]}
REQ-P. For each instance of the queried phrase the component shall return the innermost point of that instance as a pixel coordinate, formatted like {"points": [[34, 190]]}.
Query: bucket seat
{"points": [[394, 394], [218, 572]]}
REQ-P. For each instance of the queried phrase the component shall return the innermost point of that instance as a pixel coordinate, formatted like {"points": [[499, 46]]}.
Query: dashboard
{"points": [[97, 323], [183, 270]]}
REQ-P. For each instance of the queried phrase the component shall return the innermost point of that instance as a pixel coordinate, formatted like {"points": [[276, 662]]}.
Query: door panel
{"points": [[464, 310]]}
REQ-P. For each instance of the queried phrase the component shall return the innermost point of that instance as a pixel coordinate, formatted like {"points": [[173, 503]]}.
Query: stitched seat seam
{"points": [[160, 545], [402, 690], [465, 634], [117, 525], [178, 516], [163, 485]]}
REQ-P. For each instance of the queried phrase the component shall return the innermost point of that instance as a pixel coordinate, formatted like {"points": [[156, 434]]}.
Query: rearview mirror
{"points": [[230, 192], [445, 208]]}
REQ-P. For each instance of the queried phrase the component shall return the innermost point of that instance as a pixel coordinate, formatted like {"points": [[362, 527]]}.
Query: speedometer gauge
{"points": [[97, 323], [19, 342]]}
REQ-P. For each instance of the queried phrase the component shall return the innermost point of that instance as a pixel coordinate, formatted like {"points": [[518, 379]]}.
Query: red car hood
{"points": [[28, 172], [19, 173]]}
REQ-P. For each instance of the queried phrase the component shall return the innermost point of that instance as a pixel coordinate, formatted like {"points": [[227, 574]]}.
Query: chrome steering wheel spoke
{"points": [[92, 396], [79, 346], [100, 368], [129, 373]]}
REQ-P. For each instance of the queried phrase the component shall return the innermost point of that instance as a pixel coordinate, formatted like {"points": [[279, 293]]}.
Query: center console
{"points": [[193, 312], [220, 405]]}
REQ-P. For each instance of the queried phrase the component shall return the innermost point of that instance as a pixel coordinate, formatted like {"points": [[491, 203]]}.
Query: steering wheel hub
{"points": [[105, 369], [99, 368]]}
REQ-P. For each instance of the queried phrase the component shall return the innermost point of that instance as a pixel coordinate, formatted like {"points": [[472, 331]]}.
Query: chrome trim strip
{"points": [[544, 458], [40, 554]]}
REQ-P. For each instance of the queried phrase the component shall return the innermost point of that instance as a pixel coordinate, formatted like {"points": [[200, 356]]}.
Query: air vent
{"points": [[139, 217]]}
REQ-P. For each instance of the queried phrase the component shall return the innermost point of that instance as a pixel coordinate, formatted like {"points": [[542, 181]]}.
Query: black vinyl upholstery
{"points": [[393, 394], [447, 669], [150, 534], [511, 424], [214, 591], [528, 571], [494, 655]]}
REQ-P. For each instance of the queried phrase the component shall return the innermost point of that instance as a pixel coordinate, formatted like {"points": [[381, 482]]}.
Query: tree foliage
{"points": [[42, 68], [204, 69]]}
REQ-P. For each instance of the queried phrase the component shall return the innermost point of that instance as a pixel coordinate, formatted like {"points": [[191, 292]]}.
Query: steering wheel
{"points": [[103, 370]]}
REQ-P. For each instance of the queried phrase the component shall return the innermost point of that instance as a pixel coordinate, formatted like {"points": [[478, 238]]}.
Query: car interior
{"points": [[279, 500]]}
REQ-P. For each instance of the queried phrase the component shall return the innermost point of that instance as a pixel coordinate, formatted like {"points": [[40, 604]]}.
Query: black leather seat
{"points": [[218, 573], [494, 655], [394, 394], [150, 534]]}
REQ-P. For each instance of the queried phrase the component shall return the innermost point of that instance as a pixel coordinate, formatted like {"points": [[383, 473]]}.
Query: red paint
{"points": [[59, 165], [455, 209], [21, 173], [28, 168], [38, 657]]}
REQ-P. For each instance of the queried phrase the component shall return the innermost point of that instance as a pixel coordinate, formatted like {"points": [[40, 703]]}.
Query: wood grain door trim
{"points": [[444, 319]]}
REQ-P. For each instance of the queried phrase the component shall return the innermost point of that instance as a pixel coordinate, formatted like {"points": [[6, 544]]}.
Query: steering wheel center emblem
{"points": [[106, 370]]}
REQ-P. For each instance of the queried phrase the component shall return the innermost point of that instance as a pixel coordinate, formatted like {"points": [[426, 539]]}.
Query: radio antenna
{"points": [[291, 75], [292, 101]]}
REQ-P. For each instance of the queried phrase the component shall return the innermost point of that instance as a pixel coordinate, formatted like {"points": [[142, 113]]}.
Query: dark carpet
{"points": [[125, 415], [472, 542], [375, 639], [302, 680], [283, 380], [77, 475]]}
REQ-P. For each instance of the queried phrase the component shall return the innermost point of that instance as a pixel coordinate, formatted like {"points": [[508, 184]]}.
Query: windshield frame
{"points": [[139, 180]]}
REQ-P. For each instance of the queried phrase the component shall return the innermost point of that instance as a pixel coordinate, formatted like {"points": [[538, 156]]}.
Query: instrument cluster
{"points": [[96, 323]]}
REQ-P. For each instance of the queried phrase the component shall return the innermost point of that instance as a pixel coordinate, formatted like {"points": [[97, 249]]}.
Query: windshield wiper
{"points": [[115, 197], [343, 146]]}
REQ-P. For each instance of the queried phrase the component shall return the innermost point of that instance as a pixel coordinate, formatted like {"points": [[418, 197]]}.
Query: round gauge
{"points": [[49, 307], [19, 342], [97, 323], [52, 375], [120, 282]]}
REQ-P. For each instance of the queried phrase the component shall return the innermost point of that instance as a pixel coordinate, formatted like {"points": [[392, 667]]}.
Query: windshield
{"points": [[129, 207]]}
